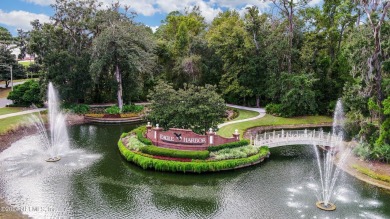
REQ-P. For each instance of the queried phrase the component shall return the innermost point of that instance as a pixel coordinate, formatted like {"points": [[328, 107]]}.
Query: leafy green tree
{"points": [[182, 51], [227, 35], [193, 107], [299, 98], [124, 50], [5, 36], [8, 59], [376, 12]]}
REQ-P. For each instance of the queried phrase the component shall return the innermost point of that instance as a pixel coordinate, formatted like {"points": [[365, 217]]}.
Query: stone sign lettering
{"points": [[179, 139]]}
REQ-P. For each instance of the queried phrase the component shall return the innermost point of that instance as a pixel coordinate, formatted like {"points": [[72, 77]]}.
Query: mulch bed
{"points": [[112, 116]]}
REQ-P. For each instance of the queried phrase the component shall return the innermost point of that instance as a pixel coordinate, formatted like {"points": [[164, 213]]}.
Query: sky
{"points": [[17, 14]]}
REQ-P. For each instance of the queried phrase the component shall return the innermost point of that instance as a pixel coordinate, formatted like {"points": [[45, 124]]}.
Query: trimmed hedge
{"points": [[235, 144], [146, 162], [140, 132], [153, 150]]}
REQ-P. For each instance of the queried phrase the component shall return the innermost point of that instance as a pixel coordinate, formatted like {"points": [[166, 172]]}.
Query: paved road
{"points": [[4, 101], [15, 83], [21, 113], [261, 112]]}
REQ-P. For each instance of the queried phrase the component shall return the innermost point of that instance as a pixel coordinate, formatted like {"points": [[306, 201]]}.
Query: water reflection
{"points": [[96, 182]]}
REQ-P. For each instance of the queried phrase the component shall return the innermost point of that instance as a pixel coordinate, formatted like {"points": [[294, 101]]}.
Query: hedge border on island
{"points": [[154, 150], [235, 144], [198, 166]]}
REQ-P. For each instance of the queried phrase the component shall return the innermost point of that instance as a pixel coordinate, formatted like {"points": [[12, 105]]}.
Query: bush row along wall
{"points": [[198, 166]]}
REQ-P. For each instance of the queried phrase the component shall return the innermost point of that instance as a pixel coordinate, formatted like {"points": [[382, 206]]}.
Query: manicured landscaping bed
{"points": [[148, 156]]}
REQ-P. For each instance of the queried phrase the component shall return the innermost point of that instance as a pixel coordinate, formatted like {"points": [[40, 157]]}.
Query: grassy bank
{"points": [[245, 114], [267, 120], [371, 173], [8, 110], [13, 123]]}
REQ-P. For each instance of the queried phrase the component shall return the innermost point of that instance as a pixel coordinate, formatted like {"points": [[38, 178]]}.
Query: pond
{"points": [[94, 181]]}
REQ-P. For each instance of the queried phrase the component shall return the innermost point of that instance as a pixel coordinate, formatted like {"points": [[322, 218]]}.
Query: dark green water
{"points": [[94, 181]]}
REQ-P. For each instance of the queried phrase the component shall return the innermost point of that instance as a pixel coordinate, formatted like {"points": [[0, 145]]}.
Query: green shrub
{"points": [[234, 153], [140, 132], [235, 144], [135, 144], [146, 162], [26, 94], [124, 134], [274, 109], [76, 108], [153, 150], [381, 153], [132, 108], [112, 110], [363, 151]]}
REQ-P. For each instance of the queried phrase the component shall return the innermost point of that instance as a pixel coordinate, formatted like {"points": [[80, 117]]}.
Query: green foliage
{"points": [[5, 36], [132, 108], [113, 110], [135, 144], [76, 108], [196, 108], [369, 152], [140, 132], [274, 109], [363, 150], [26, 94], [381, 153], [234, 153], [146, 162], [229, 145], [298, 99], [153, 150]]}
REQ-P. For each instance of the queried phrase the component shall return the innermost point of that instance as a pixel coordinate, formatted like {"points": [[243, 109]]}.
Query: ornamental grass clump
{"points": [[134, 143], [234, 153]]}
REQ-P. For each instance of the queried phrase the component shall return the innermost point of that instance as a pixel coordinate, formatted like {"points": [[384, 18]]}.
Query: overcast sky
{"points": [[16, 14]]}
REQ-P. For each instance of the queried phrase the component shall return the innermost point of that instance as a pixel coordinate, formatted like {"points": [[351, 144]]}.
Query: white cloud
{"points": [[21, 19], [235, 4], [41, 2], [314, 2], [154, 28]]}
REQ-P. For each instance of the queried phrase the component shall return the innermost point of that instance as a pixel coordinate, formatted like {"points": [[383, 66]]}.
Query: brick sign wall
{"points": [[184, 139]]}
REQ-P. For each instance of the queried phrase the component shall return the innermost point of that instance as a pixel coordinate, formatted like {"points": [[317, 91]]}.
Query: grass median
{"points": [[245, 114]]}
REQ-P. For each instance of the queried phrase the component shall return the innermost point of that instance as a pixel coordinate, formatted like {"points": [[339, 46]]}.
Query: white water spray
{"points": [[328, 171], [56, 141]]}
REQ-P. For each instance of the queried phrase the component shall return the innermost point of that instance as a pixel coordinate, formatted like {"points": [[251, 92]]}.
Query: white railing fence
{"points": [[294, 137]]}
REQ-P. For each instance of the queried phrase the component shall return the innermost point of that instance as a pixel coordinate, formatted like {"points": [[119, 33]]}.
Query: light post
{"points": [[10, 67]]}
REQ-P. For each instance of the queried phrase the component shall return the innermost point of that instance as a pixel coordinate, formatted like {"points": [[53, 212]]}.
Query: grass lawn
{"points": [[14, 122], [228, 130], [245, 114], [11, 123], [8, 110], [26, 63]]}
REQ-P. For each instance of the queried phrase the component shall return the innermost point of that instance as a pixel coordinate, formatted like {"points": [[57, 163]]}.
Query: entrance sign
{"points": [[185, 139]]}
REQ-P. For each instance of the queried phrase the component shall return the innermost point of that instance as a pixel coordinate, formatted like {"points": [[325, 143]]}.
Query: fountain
{"points": [[56, 141], [327, 170]]}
